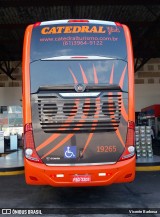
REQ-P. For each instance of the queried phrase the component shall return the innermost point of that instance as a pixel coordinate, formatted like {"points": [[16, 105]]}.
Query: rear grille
{"points": [[61, 115]]}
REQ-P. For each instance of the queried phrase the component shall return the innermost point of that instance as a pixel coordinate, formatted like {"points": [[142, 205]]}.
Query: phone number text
{"points": [[75, 43]]}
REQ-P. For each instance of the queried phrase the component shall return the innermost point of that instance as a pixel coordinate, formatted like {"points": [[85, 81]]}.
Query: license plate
{"points": [[81, 178]]}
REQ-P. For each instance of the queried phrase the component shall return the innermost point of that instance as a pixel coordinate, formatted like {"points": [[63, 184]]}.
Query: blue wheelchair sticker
{"points": [[70, 152]]}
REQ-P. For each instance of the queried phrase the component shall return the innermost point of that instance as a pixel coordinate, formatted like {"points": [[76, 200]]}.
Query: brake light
{"points": [[118, 24], [129, 147], [78, 21], [37, 24], [29, 147], [79, 57]]}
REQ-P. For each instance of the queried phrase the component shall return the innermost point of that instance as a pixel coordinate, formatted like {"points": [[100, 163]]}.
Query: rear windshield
{"points": [[54, 73], [77, 39]]}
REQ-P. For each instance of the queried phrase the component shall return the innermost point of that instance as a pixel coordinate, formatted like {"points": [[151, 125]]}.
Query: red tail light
{"points": [[118, 24], [29, 147], [130, 134], [37, 24], [129, 148], [78, 21]]}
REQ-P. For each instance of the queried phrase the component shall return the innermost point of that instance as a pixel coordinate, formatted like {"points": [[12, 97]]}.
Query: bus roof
{"points": [[53, 22]]}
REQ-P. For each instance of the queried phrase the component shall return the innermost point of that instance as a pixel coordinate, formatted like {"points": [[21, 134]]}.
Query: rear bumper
{"points": [[40, 174]]}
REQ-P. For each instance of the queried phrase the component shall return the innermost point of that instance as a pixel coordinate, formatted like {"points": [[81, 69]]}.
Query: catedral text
{"points": [[77, 29]]}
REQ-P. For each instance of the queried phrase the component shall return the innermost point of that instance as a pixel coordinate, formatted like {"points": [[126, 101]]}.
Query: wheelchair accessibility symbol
{"points": [[70, 152]]}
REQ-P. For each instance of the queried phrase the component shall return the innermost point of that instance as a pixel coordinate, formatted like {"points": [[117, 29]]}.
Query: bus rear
{"points": [[78, 103]]}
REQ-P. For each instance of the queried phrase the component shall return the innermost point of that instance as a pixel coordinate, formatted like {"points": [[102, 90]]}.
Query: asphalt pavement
{"points": [[131, 199]]}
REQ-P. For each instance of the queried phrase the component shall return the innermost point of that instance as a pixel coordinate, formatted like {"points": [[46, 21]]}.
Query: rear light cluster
{"points": [[29, 148], [129, 148]]}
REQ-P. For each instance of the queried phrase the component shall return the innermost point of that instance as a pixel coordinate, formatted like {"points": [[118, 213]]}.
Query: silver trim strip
{"points": [[79, 94], [78, 58], [81, 164], [66, 21]]}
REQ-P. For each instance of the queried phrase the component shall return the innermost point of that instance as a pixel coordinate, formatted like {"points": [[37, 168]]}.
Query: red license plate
{"points": [[81, 178]]}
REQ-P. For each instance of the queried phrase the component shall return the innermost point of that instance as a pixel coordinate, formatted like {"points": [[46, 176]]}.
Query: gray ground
{"points": [[143, 193]]}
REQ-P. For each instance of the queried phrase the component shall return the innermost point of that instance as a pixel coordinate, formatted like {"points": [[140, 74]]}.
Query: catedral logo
{"points": [[78, 29]]}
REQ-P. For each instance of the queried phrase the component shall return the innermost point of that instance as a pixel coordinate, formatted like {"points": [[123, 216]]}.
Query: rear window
{"points": [[77, 39], [53, 73]]}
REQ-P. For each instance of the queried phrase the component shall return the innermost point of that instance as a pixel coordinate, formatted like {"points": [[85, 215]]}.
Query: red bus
{"points": [[78, 103]]}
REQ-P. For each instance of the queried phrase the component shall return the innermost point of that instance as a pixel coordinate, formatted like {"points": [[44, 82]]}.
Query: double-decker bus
{"points": [[78, 103]]}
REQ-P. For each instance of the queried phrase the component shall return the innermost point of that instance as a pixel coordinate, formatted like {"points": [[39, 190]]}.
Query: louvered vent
{"points": [[59, 115]]}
